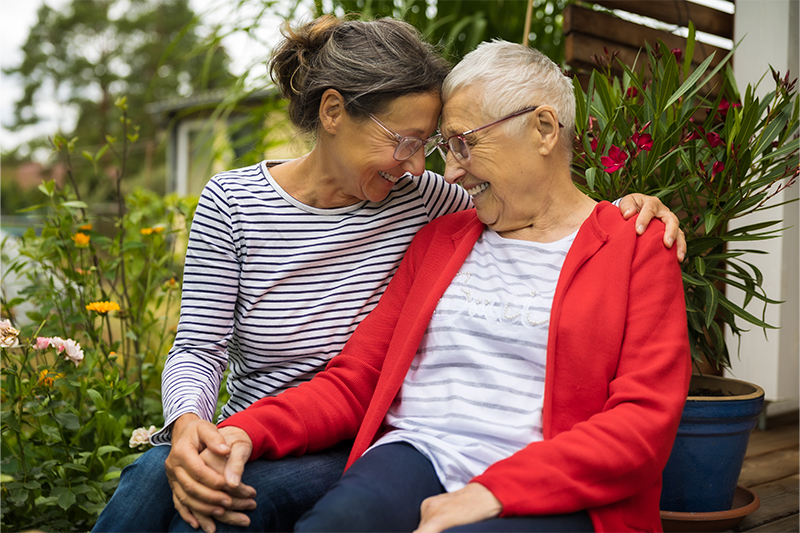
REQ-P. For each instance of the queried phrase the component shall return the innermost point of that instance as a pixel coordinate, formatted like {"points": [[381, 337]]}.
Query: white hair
{"points": [[512, 77]]}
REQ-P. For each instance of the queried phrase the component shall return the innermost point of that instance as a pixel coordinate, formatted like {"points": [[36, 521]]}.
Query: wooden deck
{"points": [[771, 471]]}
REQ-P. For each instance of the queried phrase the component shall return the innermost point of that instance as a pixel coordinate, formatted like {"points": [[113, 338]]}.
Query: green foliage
{"points": [[713, 159], [109, 286], [457, 27]]}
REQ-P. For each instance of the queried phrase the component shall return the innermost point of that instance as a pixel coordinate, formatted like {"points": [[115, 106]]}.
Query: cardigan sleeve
{"points": [[600, 458], [330, 407]]}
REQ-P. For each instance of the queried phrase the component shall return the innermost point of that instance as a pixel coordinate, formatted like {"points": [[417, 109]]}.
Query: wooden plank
{"points": [[579, 50], [778, 500], [615, 30], [778, 438], [788, 525], [678, 12], [770, 467]]}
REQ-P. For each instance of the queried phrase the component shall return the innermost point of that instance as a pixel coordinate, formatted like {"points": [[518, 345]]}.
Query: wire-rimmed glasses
{"points": [[406, 146], [458, 143]]}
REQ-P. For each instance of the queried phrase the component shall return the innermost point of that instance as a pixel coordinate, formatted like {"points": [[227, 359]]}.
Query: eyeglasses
{"points": [[406, 146], [458, 143]]}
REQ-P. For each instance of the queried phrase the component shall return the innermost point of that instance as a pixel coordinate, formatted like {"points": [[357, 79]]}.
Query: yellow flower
{"points": [[85, 227], [150, 231], [81, 240], [103, 307], [47, 378]]}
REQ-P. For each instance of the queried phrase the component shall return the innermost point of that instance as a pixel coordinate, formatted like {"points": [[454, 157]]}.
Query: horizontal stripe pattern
{"points": [[274, 288], [473, 394]]}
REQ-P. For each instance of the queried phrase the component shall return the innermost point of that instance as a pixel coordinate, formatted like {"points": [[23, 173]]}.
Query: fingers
{"points": [[682, 247], [235, 519], [197, 497], [185, 513]]}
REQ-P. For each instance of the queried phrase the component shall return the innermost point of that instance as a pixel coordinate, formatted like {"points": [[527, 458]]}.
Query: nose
{"points": [[453, 171], [415, 164]]}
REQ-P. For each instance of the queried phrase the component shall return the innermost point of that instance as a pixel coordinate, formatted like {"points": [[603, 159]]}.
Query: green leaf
{"points": [[97, 399], [67, 421], [103, 450], [691, 81], [66, 500], [700, 265]]}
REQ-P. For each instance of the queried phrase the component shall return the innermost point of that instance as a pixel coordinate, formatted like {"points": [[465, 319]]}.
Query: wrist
{"points": [[181, 423]]}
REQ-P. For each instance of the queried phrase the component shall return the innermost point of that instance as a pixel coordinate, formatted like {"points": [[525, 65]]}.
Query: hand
{"points": [[197, 488], [231, 468], [473, 503], [650, 207]]}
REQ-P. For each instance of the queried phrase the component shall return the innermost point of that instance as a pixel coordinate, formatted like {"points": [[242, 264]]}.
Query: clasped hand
{"points": [[204, 469]]}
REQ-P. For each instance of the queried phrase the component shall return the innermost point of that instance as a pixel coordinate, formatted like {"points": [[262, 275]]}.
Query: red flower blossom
{"points": [[643, 141], [678, 53], [632, 92], [615, 159], [724, 105], [716, 168], [696, 134], [714, 139], [593, 144]]}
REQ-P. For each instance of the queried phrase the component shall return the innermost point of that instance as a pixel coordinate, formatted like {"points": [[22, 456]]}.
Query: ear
{"points": [[331, 110], [547, 127]]}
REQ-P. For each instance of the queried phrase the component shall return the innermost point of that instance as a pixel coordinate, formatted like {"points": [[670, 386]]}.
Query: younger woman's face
{"points": [[368, 150]]}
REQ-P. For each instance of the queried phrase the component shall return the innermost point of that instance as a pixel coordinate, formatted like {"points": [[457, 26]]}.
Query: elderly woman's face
{"points": [[502, 165], [369, 145]]}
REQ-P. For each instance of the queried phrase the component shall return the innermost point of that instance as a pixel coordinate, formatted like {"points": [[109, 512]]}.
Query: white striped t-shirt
{"points": [[274, 288], [473, 394]]}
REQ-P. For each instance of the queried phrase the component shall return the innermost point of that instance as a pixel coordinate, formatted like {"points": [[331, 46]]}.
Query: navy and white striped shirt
{"points": [[274, 288]]}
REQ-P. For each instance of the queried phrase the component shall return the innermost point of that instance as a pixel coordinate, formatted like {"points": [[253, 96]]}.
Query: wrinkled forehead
{"points": [[462, 110]]}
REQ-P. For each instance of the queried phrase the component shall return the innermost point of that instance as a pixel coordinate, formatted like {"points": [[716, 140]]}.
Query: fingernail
{"points": [[640, 229], [670, 240]]}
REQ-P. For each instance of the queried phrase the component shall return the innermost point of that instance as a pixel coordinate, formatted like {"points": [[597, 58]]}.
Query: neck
{"points": [[315, 180], [559, 209]]}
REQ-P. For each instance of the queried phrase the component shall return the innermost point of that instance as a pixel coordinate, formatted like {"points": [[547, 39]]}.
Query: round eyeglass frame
{"points": [[407, 146], [458, 143]]}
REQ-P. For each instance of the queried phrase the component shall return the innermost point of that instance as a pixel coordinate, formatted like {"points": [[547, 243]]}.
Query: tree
{"points": [[93, 51]]}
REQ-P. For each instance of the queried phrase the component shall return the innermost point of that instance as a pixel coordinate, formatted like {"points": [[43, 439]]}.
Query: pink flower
{"points": [[678, 53], [632, 92], [716, 168], [713, 139], [593, 144], [615, 159], [73, 351], [642, 141], [724, 105], [141, 437], [42, 343]]}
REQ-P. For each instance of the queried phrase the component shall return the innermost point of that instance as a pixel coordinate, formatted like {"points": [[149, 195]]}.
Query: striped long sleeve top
{"points": [[273, 288]]}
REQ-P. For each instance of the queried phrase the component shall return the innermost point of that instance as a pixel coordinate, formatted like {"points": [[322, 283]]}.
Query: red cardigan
{"points": [[617, 375]]}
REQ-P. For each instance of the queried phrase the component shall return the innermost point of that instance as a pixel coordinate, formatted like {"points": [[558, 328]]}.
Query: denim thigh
{"points": [[285, 489], [381, 491]]}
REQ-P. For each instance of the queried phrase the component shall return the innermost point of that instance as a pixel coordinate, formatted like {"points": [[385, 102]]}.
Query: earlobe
{"points": [[331, 110]]}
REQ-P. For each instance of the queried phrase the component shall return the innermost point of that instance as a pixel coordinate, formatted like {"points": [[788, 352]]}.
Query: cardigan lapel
{"points": [[588, 241]]}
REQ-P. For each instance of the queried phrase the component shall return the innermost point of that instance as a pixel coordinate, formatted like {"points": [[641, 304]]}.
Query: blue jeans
{"points": [[383, 491], [285, 488]]}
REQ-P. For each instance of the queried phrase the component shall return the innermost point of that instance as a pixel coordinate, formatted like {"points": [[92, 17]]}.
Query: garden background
{"points": [[153, 101]]}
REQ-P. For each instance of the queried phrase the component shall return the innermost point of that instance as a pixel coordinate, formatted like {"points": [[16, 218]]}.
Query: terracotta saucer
{"points": [[745, 502]]}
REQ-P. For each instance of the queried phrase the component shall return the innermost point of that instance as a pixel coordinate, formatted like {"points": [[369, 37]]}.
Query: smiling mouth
{"points": [[389, 177], [476, 190]]}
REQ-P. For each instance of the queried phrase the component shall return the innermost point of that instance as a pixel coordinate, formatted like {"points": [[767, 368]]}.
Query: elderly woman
{"points": [[284, 262], [526, 368]]}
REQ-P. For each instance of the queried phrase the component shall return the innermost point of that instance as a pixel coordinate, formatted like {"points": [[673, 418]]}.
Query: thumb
{"points": [[210, 437]]}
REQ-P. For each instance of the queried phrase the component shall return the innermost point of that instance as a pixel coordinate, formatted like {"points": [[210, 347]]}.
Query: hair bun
{"points": [[294, 56]]}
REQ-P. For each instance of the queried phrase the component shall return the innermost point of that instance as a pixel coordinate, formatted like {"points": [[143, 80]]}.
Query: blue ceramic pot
{"points": [[706, 460]]}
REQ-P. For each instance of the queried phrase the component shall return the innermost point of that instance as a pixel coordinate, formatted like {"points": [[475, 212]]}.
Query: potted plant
{"points": [[688, 136]]}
